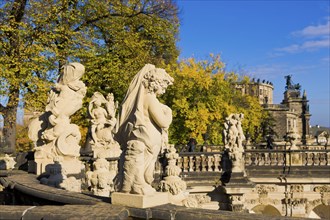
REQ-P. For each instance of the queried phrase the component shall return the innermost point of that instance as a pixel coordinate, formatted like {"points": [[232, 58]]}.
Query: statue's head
{"points": [[98, 99], [72, 72], [157, 80]]}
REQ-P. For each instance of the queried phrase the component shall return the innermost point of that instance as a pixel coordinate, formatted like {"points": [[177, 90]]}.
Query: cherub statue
{"points": [[142, 129]]}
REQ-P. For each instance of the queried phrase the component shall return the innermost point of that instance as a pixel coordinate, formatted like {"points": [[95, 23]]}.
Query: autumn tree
{"points": [[203, 96], [112, 38]]}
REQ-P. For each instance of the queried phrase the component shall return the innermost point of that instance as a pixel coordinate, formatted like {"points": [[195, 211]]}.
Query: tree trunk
{"points": [[9, 112], [9, 116]]}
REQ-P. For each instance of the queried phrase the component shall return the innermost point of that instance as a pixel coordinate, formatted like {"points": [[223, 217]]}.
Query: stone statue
{"points": [[101, 178], [172, 182], [233, 140], [7, 162], [288, 82], [52, 131], [290, 85], [142, 129], [102, 112], [292, 138]]}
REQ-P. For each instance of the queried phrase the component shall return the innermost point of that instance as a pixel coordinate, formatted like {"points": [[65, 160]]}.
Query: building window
{"points": [[266, 100]]}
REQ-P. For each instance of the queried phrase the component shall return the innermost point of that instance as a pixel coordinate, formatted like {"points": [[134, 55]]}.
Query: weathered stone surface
{"points": [[139, 201], [7, 162], [100, 140], [56, 138], [233, 141], [106, 211], [142, 130], [29, 185]]}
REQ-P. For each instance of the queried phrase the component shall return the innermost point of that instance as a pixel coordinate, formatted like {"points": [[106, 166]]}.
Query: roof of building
{"points": [[317, 130]]}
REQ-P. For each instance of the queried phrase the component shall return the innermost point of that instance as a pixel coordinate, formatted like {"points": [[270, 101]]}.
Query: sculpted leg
{"points": [[150, 160]]}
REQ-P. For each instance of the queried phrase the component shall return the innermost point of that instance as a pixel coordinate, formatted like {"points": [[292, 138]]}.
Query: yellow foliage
{"points": [[202, 97]]}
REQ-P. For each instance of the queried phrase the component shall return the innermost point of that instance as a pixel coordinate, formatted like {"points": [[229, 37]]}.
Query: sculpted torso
{"points": [[143, 128], [158, 116]]}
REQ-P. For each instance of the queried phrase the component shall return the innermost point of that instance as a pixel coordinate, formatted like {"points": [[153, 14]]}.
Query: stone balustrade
{"points": [[200, 161], [284, 157], [211, 161]]}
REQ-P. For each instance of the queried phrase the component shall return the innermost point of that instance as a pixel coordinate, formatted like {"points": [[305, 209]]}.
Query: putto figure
{"points": [[233, 137], [54, 135], [142, 130]]}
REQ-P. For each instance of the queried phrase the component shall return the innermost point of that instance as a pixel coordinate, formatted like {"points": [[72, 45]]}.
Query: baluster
{"points": [[316, 159], [266, 159], [210, 163], [323, 159], [179, 163], [261, 159], [304, 158], [198, 163], [328, 158], [309, 158], [280, 158], [273, 159], [203, 163], [217, 162], [248, 160], [257, 159], [191, 164], [253, 159], [185, 164]]}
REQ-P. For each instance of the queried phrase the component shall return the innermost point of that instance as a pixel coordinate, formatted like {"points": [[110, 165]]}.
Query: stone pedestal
{"points": [[139, 201], [70, 165], [238, 186]]}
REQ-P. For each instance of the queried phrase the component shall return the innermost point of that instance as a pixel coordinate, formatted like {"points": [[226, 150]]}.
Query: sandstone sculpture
{"points": [[57, 177], [102, 113], [142, 129], [100, 180], [293, 138], [172, 182], [54, 135], [7, 162], [233, 140]]}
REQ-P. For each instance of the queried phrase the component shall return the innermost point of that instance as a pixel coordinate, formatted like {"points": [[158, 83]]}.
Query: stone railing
{"points": [[275, 106], [284, 157], [200, 161], [212, 161]]}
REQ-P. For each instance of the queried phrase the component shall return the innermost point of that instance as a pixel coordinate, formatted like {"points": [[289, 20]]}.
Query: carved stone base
{"points": [[236, 207], [70, 165], [102, 152], [139, 201]]}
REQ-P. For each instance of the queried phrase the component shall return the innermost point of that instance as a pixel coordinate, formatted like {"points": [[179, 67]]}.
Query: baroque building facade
{"points": [[291, 115]]}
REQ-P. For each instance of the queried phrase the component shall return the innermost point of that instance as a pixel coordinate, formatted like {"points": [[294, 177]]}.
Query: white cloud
{"points": [[306, 46], [326, 60], [273, 71], [318, 38], [314, 31]]}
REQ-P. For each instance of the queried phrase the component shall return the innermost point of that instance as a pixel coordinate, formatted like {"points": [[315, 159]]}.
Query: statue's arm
{"points": [[159, 113]]}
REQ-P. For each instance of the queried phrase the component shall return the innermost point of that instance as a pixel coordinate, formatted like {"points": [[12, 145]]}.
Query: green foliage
{"points": [[202, 96], [112, 38], [23, 143]]}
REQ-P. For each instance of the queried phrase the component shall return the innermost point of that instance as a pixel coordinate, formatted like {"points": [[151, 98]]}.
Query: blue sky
{"points": [[266, 40]]}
